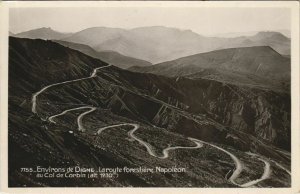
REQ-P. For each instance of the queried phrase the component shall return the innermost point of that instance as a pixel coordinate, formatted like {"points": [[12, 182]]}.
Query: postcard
{"points": [[144, 97]]}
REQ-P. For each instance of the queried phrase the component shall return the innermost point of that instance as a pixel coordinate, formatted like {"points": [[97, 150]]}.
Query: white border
{"points": [[294, 6]]}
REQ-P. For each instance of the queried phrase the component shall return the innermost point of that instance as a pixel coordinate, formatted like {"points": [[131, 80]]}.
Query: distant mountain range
{"points": [[159, 44]]}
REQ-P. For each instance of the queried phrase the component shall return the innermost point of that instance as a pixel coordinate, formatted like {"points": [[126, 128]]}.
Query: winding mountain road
{"points": [[35, 95], [51, 118], [147, 145], [80, 117], [149, 148], [265, 175], [237, 162], [165, 153]]}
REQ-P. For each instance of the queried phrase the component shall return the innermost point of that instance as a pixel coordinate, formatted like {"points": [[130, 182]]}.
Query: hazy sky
{"points": [[206, 21]]}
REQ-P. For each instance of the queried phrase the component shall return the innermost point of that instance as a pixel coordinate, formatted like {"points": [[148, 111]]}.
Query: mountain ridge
{"points": [[158, 43]]}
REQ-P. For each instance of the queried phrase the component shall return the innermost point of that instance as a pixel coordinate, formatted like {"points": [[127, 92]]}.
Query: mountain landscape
{"points": [[158, 44], [210, 115]]}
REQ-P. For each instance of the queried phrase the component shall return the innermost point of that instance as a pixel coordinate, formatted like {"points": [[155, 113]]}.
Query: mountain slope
{"points": [[109, 117], [42, 33], [110, 57]]}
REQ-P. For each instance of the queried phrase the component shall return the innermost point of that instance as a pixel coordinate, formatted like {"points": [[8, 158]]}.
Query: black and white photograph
{"points": [[150, 96]]}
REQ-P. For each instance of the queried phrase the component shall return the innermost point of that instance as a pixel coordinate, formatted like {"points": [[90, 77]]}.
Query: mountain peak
{"points": [[97, 28], [270, 34], [162, 28], [45, 33], [42, 29]]}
